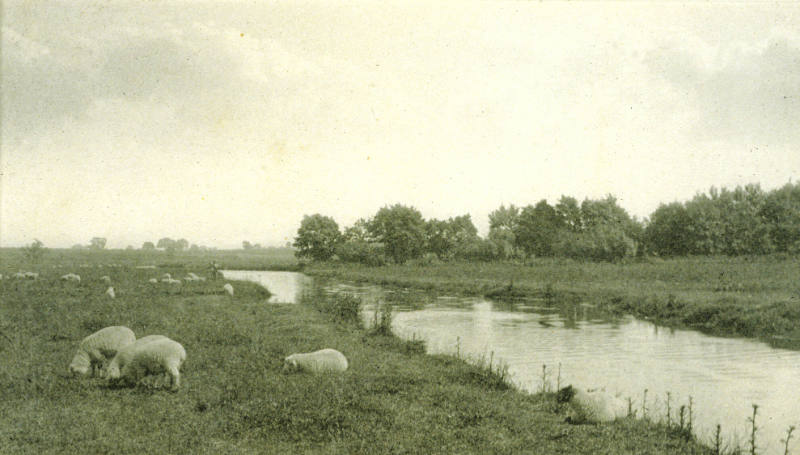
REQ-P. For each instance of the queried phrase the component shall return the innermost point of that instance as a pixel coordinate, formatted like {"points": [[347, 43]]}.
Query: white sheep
{"points": [[594, 407], [71, 277], [110, 292], [171, 281], [96, 348], [228, 288], [166, 277], [31, 275], [153, 280], [124, 356], [105, 279], [155, 357], [322, 361], [194, 277], [19, 275]]}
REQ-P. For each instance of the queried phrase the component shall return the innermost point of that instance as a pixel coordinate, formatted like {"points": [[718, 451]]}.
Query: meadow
{"points": [[234, 397]]}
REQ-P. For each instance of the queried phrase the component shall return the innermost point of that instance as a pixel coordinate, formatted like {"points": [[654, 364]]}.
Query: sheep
{"points": [[153, 280], [105, 279], [193, 277], [593, 407], [155, 357], [228, 288], [171, 281], [71, 277], [98, 347], [19, 275], [125, 355], [110, 292], [31, 275], [322, 361], [165, 277]]}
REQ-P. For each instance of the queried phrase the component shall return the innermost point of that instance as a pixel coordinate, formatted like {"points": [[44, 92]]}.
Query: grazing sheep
{"points": [[153, 280], [166, 277], [105, 279], [110, 292], [31, 275], [322, 361], [155, 357], [228, 288], [96, 348], [71, 277], [171, 281], [592, 407], [125, 355]]}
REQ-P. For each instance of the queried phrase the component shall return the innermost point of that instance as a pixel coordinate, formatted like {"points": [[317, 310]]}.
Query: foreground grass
{"points": [[234, 398], [752, 297]]}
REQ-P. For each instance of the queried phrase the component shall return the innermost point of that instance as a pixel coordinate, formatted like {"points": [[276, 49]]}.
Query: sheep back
{"points": [[125, 355], [322, 361]]}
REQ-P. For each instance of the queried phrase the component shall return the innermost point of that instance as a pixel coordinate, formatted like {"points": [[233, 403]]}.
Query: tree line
{"points": [[742, 221]]}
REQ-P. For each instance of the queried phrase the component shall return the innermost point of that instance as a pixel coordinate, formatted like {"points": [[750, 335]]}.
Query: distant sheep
{"points": [[228, 288], [19, 275], [98, 347], [71, 277], [27, 275], [322, 361], [145, 267], [592, 407], [110, 292], [153, 280], [193, 277], [171, 281], [166, 277], [105, 279], [155, 357], [124, 356]]}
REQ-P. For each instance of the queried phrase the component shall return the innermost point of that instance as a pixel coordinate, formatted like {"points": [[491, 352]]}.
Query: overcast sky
{"points": [[227, 121]]}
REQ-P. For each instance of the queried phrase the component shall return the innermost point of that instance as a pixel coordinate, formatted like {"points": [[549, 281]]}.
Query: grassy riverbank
{"points": [[752, 297], [234, 398]]}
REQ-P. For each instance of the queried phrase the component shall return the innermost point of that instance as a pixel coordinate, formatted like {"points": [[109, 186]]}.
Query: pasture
{"points": [[234, 397]]}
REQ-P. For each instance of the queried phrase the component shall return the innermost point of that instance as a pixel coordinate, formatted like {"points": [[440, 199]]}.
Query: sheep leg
{"points": [[175, 376]]}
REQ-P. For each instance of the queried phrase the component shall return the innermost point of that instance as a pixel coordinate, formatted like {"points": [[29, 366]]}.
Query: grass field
{"points": [[234, 397], [752, 297]]}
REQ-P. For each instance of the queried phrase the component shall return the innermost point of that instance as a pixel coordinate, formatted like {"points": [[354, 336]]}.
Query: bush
{"points": [[362, 252]]}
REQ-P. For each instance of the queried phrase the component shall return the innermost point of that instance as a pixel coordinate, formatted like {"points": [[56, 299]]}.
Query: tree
{"points": [[148, 246], [445, 239], [182, 244], [317, 237], [502, 224], [246, 245], [669, 231], [401, 229], [97, 243], [166, 244], [536, 229], [359, 231], [781, 211], [569, 212], [34, 251]]}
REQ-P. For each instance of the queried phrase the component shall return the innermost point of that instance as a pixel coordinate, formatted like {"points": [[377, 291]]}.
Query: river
{"points": [[723, 376]]}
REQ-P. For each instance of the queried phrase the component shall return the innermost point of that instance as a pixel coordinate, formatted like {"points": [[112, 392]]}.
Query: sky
{"points": [[220, 122]]}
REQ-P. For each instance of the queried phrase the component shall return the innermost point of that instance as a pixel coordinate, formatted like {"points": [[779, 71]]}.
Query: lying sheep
{"points": [[322, 361], [155, 357], [171, 281], [228, 288], [153, 280], [593, 407], [96, 348], [71, 277], [110, 292], [124, 356]]}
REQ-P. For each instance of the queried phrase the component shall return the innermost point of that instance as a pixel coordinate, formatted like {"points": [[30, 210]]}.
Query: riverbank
{"points": [[234, 397], [750, 297]]}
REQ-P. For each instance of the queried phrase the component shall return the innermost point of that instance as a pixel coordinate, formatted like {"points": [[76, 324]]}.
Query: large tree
{"points": [[317, 237], [97, 243], [401, 229], [537, 228]]}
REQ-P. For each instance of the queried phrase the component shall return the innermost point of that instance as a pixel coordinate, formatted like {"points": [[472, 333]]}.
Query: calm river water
{"points": [[724, 376]]}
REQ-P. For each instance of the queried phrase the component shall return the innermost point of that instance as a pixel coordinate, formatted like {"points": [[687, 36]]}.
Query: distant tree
{"points": [[34, 251], [402, 231], [148, 246], [669, 232], [781, 212], [446, 238], [246, 245], [359, 231], [78, 246], [194, 247], [167, 244], [182, 244], [536, 229], [129, 247], [317, 237], [569, 212], [502, 224], [97, 243]]}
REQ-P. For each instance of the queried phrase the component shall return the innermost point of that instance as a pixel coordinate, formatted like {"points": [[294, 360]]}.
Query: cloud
{"points": [[741, 92]]}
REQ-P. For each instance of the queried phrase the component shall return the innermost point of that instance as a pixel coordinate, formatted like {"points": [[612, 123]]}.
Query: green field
{"points": [[746, 296], [234, 397]]}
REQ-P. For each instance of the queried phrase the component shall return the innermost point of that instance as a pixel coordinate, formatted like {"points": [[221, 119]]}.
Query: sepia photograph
{"points": [[401, 227]]}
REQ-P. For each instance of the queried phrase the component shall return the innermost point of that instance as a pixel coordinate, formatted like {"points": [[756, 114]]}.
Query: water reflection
{"points": [[285, 287]]}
